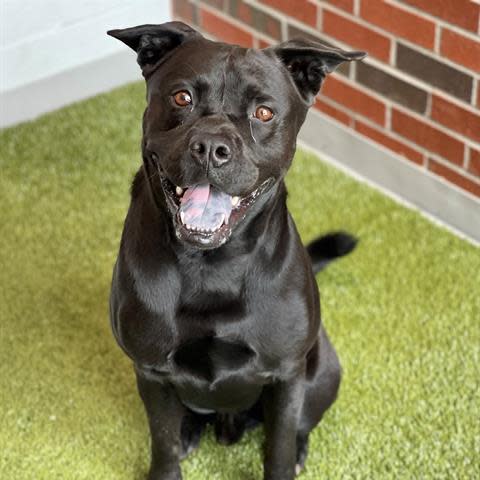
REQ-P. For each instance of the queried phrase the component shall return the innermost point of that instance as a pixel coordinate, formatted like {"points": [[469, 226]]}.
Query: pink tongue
{"points": [[205, 207]]}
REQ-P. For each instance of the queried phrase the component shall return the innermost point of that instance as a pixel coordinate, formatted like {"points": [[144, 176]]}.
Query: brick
{"points": [[332, 111], [225, 30], [434, 72], [454, 177], [460, 49], [463, 13], [258, 19], [354, 99], [302, 10], [455, 117], [400, 22], [294, 32], [427, 136], [346, 5], [474, 164], [356, 35], [263, 43], [391, 87], [241, 11], [219, 4], [185, 10], [389, 142]]}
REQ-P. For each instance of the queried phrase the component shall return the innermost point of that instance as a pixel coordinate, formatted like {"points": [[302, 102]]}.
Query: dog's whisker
{"points": [[155, 172], [251, 132]]}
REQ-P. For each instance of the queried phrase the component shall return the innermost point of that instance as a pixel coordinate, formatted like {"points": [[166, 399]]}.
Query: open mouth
{"points": [[204, 215]]}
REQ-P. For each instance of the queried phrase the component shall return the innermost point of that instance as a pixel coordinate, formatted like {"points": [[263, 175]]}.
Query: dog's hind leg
{"points": [[323, 376]]}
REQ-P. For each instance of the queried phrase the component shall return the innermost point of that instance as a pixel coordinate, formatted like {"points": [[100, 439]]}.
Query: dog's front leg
{"points": [[165, 413], [282, 404]]}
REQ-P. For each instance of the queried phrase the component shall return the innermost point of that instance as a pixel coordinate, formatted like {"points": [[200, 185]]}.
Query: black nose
{"points": [[210, 150]]}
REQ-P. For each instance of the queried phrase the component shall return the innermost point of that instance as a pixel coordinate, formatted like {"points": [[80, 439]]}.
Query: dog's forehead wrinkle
{"points": [[195, 72], [226, 66]]}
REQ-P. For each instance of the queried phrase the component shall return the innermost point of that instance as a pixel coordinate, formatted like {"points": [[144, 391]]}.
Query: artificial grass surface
{"points": [[403, 312]]}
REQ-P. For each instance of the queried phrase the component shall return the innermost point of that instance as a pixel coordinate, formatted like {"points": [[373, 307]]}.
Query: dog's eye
{"points": [[182, 98], [263, 113]]}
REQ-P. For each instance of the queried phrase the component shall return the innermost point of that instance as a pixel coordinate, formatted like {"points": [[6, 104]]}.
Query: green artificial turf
{"points": [[403, 312]]}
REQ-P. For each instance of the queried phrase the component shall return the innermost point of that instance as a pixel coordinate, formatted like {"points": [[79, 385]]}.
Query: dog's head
{"points": [[221, 121]]}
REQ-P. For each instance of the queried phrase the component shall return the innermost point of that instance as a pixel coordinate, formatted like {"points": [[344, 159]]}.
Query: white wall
{"points": [[53, 52]]}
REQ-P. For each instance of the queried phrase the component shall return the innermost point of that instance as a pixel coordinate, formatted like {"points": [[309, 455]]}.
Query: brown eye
{"points": [[182, 98], [264, 114]]}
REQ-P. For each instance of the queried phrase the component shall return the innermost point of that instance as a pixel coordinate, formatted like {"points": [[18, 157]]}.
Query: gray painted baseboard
{"points": [[30, 101], [393, 174], [328, 138]]}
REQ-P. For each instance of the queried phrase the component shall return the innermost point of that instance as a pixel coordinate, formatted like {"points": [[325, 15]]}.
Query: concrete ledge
{"points": [[391, 173], [29, 101]]}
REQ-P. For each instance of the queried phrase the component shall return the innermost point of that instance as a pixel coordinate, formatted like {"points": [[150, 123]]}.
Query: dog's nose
{"points": [[210, 150]]}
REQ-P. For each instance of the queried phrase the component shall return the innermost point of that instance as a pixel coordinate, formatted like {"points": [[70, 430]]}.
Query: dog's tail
{"points": [[325, 249]]}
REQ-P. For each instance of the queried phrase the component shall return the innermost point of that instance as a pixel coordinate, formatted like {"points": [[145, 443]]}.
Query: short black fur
{"points": [[223, 326]]}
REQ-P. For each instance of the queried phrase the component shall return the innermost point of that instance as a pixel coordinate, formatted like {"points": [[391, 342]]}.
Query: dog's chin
{"points": [[202, 240], [208, 239]]}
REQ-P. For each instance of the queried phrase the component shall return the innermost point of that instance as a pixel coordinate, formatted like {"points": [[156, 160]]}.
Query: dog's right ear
{"points": [[153, 43]]}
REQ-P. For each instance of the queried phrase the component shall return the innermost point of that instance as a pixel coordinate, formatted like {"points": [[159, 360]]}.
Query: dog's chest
{"points": [[227, 335], [215, 368], [208, 343], [213, 362], [209, 358]]}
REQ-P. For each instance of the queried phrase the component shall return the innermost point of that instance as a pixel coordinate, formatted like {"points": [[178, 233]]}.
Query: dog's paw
{"points": [[302, 453]]}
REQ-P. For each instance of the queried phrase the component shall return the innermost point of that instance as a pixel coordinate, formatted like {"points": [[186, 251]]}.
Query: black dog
{"points": [[213, 295]]}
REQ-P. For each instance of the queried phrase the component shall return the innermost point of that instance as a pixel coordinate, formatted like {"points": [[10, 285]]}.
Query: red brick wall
{"points": [[418, 92]]}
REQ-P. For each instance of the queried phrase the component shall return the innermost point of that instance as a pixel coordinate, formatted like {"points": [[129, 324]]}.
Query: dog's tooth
{"points": [[179, 191], [182, 217], [235, 201]]}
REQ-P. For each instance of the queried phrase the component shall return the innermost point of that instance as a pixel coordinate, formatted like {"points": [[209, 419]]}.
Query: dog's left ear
{"points": [[309, 63], [153, 43]]}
